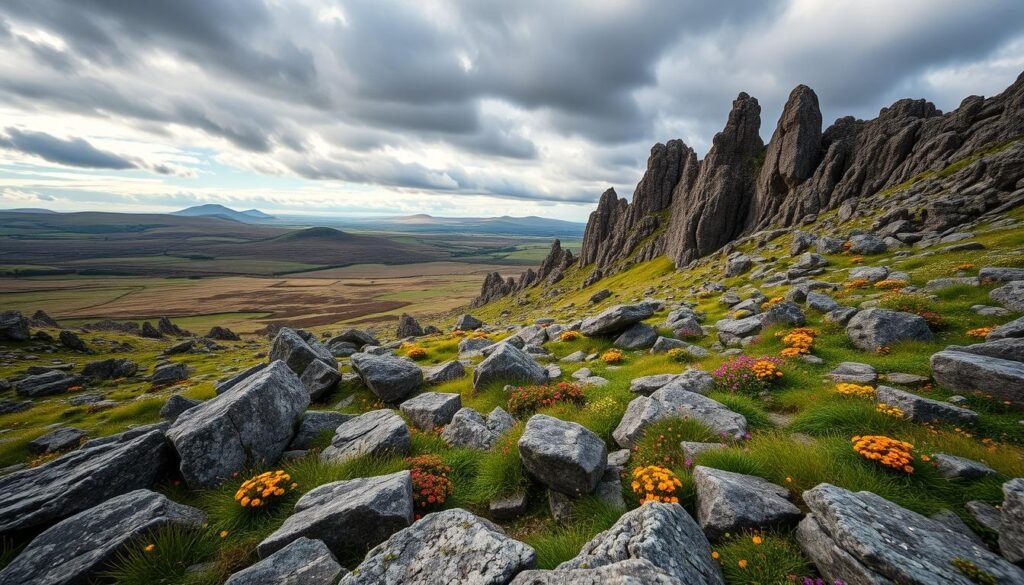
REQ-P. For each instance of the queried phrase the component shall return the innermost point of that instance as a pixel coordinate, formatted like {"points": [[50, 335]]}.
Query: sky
{"points": [[452, 108]]}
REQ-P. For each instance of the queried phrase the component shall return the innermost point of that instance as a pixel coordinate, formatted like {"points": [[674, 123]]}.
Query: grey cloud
{"points": [[74, 152]]}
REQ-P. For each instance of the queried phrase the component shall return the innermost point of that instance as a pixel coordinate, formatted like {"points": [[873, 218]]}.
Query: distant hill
{"points": [[505, 225], [28, 210], [217, 210]]}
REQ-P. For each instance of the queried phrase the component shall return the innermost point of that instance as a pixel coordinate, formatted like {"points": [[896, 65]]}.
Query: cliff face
{"points": [[686, 209]]}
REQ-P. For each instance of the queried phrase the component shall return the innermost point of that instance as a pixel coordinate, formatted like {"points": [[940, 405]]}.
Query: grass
{"points": [[174, 550], [761, 559]]}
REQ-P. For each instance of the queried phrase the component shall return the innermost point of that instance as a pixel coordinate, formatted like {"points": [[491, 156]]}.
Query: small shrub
{"points": [[415, 352], [887, 451], [431, 486], [265, 489], [965, 267], [678, 354], [748, 375], [569, 336], [656, 484], [528, 399], [889, 284], [612, 356], [981, 332]]}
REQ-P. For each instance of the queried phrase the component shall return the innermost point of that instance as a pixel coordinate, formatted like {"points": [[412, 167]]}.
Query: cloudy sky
{"points": [[474, 107]]}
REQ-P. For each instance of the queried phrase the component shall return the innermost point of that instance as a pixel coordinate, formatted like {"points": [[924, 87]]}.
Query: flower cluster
{"points": [[889, 410], [890, 284], [415, 352], [847, 389], [528, 399], [264, 489], [612, 356], [771, 303], [889, 452], [965, 267], [569, 336], [798, 342], [748, 375], [656, 484], [678, 354], [856, 283], [431, 487], [980, 332]]}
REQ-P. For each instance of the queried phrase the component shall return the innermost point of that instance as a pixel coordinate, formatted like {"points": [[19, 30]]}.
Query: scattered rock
{"points": [[431, 410], [1010, 295], [446, 372], [600, 296], [110, 368], [953, 467], [1011, 536], [376, 433], [922, 410], [72, 341], [468, 323], [867, 244], [298, 349], [673, 401], [303, 562], [692, 449], [166, 374], [230, 382], [46, 384], [851, 536], [315, 423], [150, 332], [223, 334], [821, 302], [871, 329], [13, 326], [452, 546], [737, 265], [469, 429], [59, 439], [964, 372], [248, 426], [1012, 330], [390, 378], [615, 319], [637, 336], [408, 327], [565, 456], [903, 379], [175, 405], [729, 502], [854, 373], [508, 364], [319, 379], [985, 514], [1000, 274], [77, 549], [348, 516]]}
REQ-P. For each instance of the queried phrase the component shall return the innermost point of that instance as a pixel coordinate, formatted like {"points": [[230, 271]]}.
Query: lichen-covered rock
{"points": [[867, 244], [565, 456], [376, 433], [821, 302], [1012, 330], [431, 410], [77, 549], [452, 546], [864, 538], [298, 349], [854, 373], [59, 439], [348, 516], [871, 329], [674, 401], [319, 378], [1010, 295], [166, 374], [615, 319], [924, 410], [39, 496], [408, 327], [303, 562], [1011, 533], [225, 384], [46, 384], [469, 429], [390, 378], [468, 322], [509, 364], [728, 502], [663, 535], [110, 368], [970, 372], [446, 372], [248, 426], [637, 336], [953, 467]]}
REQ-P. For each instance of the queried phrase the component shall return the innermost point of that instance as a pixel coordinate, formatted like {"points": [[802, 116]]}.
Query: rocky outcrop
{"points": [[551, 270], [713, 210], [13, 326], [452, 546], [377, 433], [303, 562]]}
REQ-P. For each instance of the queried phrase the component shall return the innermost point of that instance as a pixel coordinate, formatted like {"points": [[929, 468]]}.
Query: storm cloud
{"points": [[538, 101]]}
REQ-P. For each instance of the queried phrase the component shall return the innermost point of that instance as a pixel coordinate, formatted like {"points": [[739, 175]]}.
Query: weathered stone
{"points": [[600, 296], [225, 384], [941, 283], [787, 314], [867, 244], [356, 337], [869, 273], [348, 516], [564, 456], [298, 349], [851, 536], [953, 467], [904, 379], [472, 344], [673, 401], [1011, 534], [1011, 349], [969, 372], [446, 372], [39, 496], [841, 315], [871, 329], [922, 410], [408, 327], [77, 549], [737, 265], [508, 364], [390, 378], [985, 514], [469, 429], [1012, 330], [854, 373], [637, 336], [376, 433], [452, 546], [223, 334], [319, 379], [175, 405], [1011, 295], [821, 302], [615, 319], [648, 384], [46, 384], [729, 502], [110, 368], [59, 439], [509, 507], [169, 374], [953, 523], [468, 322], [431, 410], [13, 326], [72, 341], [248, 426], [1000, 274], [735, 329], [303, 562], [315, 423]]}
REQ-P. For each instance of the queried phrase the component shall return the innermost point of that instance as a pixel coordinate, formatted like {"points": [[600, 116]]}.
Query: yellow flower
{"points": [[742, 563], [715, 555], [149, 548], [757, 539]]}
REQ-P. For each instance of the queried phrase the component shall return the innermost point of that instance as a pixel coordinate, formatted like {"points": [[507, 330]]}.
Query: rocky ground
{"points": [[839, 400]]}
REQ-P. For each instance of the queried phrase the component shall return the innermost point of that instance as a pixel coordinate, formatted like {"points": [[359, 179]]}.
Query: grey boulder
{"points": [[924, 410], [953, 467], [77, 549], [110, 368], [565, 456], [319, 379], [348, 516], [509, 364], [250, 425], [871, 329], [376, 433], [1010, 295], [390, 378], [446, 372], [469, 429], [468, 322], [303, 562], [431, 410], [59, 439], [970, 372], [854, 373], [637, 336], [615, 319], [452, 546], [675, 401], [728, 502], [1011, 533], [13, 326], [46, 384], [298, 349], [169, 374], [314, 423]]}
